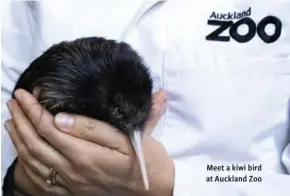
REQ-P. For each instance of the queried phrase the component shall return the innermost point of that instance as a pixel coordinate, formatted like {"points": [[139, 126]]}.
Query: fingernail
{"points": [[64, 121], [18, 94], [9, 106], [7, 126]]}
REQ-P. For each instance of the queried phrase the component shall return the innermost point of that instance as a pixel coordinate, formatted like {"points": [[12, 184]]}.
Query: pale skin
{"points": [[91, 157]]}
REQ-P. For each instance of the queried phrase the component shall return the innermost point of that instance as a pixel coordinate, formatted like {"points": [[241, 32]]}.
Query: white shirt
{"points": [[227, 101]]}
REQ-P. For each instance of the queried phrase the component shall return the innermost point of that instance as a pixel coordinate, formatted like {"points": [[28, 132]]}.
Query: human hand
{"points": [[30, 173], [25, 186], [103, 155]]}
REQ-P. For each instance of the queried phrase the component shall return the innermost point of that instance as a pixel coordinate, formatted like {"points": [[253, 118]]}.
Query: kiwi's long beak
{"points": [[136, 139]]}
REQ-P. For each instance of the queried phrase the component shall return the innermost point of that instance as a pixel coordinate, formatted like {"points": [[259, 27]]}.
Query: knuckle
{"points": [[44, 130], [21, 157], [29, 108], [89, 127], [43, 133], [30, 111], [21, 152], [34, 168], [31, 148], [41, 126], [45, 125]]}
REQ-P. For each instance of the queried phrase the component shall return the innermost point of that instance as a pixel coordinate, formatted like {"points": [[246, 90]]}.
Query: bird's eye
{"points": [[118, 112]]}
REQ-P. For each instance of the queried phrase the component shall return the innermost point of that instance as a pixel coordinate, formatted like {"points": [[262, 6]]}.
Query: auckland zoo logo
{"points": [[233, 20]]}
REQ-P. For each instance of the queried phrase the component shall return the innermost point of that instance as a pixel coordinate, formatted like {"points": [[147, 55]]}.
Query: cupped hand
{"points": [[90, 157]]}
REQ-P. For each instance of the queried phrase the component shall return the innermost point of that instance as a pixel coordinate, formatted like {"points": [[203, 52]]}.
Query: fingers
{"points": [[43, 121], [35, 170], [28, 144], [91, 130], [41, 171], [23, 154], [68, 148], [20, 147], [102, 133], [40, 182], [159, 104]]}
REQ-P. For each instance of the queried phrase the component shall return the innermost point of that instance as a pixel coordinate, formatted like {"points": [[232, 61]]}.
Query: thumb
{"points": [[159, 104]]}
